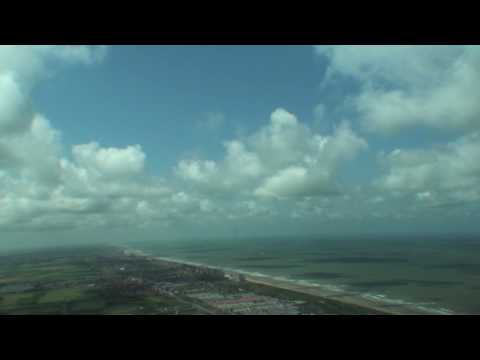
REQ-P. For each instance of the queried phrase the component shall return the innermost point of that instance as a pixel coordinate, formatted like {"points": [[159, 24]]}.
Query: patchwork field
{"points": [[112, 281]]}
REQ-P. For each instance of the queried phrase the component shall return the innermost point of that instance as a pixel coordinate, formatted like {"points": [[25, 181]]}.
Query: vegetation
{"points": [[104, 281]]}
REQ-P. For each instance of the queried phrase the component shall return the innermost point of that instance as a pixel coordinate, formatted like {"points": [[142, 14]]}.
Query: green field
{"points": [[105, 281], [58, 284], [61, 295]]}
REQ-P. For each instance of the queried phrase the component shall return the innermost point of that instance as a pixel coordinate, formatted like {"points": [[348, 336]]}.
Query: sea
{"points": [[437, 274]]}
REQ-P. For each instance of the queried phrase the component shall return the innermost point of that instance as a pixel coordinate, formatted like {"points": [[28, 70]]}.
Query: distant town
{"points": [[119, 281]]}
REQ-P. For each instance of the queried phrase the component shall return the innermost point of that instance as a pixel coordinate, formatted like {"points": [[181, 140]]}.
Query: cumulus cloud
{"points": [[197, 171], [405, 87], [40, 188], [15, 111], [282, 159], [408, 86], [291, 180], [28, 64], [447, 172], [82, 193], [284, 168], [34, 153], [21, 67], [110, 162]]}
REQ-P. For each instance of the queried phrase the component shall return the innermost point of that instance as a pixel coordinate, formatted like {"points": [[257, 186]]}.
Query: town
{"points": [[120, 282]]}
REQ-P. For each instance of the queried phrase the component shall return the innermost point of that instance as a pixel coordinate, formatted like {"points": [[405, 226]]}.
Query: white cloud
{"points": [[110, 162], [282, 159], [407, 86], [15, 112], [80, 196], [240, 162], [111, 172], [287, 181], [41, 189], [197, 171], [30, 63], [284, 168], [21, 67], [451, 171], [33, 153], [295, 181]]}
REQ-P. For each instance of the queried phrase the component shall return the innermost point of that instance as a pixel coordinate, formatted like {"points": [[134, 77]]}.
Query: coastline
{"points": [[322, 293], [375, 303]]}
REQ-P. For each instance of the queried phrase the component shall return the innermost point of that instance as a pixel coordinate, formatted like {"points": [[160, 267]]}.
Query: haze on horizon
{"points": [[164, 142]]}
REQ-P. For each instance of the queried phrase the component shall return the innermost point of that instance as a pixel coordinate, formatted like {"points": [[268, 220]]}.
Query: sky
{"points": [[160, 142]]}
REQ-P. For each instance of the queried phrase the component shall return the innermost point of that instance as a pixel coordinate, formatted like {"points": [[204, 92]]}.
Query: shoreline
{"points": [[331, 293], [322, 294]]}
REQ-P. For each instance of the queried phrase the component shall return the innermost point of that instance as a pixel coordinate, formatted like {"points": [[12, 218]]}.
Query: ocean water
{"points": [[441, 274]]}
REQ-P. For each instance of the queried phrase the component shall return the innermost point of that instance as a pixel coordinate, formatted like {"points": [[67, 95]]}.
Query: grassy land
{"points": [[12, 300], [62, 295], [58, 285], [88, 281]]}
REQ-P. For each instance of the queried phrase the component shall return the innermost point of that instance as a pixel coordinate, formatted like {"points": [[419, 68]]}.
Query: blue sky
{"points": [[182, 139], [152, 95], [160, 91]]}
